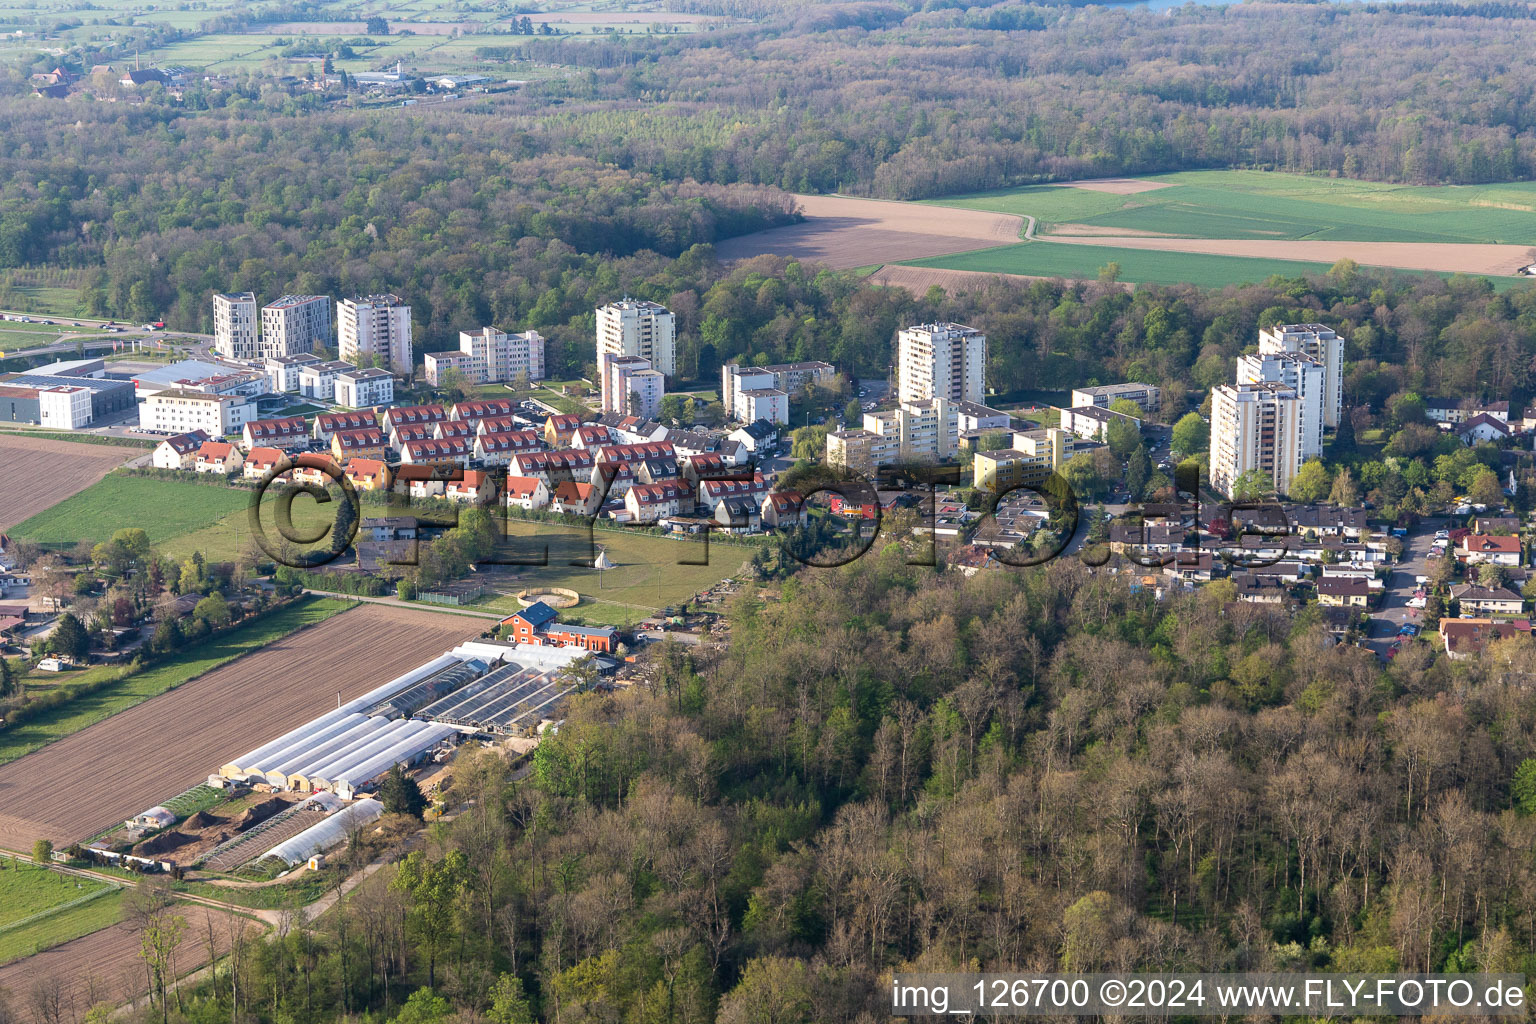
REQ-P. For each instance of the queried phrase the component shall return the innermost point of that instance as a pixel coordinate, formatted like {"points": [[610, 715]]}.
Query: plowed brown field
{"points": [[842, 232], [74, 788], [37, 473], [60, 984]]}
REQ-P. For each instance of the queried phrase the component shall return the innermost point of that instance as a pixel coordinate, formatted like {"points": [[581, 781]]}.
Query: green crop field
{"points": [[89, 709], [28, 891], [55, 929], [163, 508], [1055, 259], [1258, 205]]}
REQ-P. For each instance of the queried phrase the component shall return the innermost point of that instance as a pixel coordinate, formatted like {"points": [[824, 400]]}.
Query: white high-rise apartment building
{"points": [[634, 327], [375, 325], [235, 324], [787, 378], [923, 431], [1255, 426], [1301, 374], [504, 355], [295, 324], [946, 361], [1320, 343], [634, 388]]}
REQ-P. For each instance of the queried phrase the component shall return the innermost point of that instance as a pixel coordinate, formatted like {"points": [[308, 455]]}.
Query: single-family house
{"points": [[1483, 427], [474, 486], [1474, 548], [782, 510], [178, 452], [1486, 602], [367, 474], [1343, 592], [260, 461], [218, 457], [526, 492], [560, 428], [572, 498]]}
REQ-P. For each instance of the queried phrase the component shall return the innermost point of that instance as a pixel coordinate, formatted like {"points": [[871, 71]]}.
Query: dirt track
{"points": [[60, 984], [1446, 257], [36, 477], [76, 787], [844, 233]]}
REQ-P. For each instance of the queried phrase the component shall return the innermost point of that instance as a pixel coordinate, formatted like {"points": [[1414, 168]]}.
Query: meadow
{"points": [[163, 508], [1048, 259], [27, 891], [100, 911], [1265, 205], [646, 577]]}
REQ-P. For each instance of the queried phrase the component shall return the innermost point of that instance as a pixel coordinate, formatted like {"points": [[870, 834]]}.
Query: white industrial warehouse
{"points": [[478, 688]]}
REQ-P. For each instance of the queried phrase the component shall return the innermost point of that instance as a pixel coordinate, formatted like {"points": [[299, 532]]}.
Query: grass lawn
{"points": [[1052, 259], [89, 709], [27, 891], [163, 508], [1260, 204], [223, 539], [57, 929], [646, 577]]}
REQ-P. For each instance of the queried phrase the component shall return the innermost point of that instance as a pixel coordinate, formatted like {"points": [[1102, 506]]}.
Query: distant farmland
{"points": [[1262, 205], [1051, 259]]}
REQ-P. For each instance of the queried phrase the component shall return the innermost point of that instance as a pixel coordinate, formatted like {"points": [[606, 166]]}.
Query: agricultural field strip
{"points": [[101, 774], [104, 966], [61, 908], [41, 473]]}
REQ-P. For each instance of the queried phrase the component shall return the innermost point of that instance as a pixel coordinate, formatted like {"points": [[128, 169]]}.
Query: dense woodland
{"points": [[888, 768]]}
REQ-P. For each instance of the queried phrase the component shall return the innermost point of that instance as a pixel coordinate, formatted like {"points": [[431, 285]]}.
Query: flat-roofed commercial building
{"points": [[181, 412]]}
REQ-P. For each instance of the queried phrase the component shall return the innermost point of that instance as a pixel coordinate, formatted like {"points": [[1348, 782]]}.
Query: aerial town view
{"points": [[691, 511]]}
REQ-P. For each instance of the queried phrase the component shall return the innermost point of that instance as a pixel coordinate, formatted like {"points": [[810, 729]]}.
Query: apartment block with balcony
{"points": [[1303, 374], [1316, 342], [947, 361], [295, 324], [235, 326], [925, 431], [490, 356], [1255, 427], [375, 325], [634, 327]]}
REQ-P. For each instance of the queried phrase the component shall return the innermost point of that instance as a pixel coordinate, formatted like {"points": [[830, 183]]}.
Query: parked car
{"points": [[1408, 629], [1417, 602]]}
